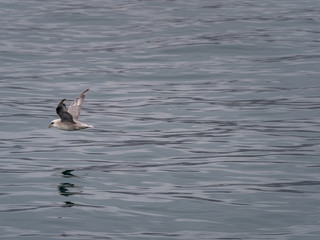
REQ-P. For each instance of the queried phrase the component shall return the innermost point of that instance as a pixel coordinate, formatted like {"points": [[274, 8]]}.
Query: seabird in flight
{"points": [[69, 117]]}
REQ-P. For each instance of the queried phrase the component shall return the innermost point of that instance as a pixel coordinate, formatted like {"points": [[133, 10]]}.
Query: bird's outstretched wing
{"points": [[75, 106], [63, 112]]}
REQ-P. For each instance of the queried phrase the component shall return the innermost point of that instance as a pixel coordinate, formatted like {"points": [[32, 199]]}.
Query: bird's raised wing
{"points": [[75, 106], [63, 112]]}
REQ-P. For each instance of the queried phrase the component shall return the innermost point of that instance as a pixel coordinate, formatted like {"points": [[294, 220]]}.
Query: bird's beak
{"points": [[50, 126]]}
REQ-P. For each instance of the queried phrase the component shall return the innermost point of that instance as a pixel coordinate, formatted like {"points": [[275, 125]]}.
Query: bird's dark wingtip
{"points": [[62, 101]]}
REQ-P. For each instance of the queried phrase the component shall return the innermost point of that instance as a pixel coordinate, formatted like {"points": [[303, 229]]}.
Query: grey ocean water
{"points": [[206, 118]]}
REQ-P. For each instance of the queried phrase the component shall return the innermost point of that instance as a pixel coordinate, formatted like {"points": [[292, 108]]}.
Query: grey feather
{"points": [[62, 111], [75, 106]]}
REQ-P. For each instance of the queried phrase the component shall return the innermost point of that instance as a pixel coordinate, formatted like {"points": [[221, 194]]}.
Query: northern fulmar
{"points": [[69, 117]]}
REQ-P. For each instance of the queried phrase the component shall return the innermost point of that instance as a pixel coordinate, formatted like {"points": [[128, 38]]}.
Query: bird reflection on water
{"points": [[68, 189]]}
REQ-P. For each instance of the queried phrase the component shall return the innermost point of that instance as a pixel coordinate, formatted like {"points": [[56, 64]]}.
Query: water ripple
{"points": [[205, 113]]}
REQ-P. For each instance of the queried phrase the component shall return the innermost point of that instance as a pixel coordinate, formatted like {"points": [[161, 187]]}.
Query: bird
{"points": [[68, 120]]}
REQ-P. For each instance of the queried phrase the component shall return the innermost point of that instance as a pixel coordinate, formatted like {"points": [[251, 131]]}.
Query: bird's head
{"points": [[54, 123]]}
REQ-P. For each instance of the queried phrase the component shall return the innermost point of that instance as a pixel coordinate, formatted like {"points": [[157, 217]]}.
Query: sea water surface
{"points": [[206, 118]]}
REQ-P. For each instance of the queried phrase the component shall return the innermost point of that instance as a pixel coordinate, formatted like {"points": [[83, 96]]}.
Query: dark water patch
{"points": [[291, 58]]}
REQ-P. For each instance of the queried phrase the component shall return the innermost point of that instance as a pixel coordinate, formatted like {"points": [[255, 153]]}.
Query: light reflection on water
{"points": [[205, 118]]}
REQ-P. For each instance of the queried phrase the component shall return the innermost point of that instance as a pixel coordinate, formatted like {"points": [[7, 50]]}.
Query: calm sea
{"points": [[206, 115]]}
